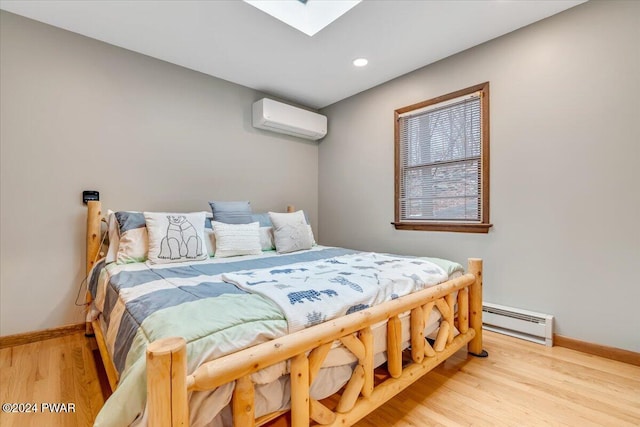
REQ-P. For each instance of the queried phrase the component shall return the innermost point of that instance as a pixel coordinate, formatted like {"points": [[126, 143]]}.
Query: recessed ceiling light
{"points": [[360, 62]]}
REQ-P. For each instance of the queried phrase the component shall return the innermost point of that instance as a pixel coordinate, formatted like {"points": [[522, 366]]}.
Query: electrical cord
{"points": [[84, 281]]}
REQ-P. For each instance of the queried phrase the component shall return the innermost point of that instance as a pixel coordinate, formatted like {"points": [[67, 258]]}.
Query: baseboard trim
{"points": [[612, 353], [45, 334]]}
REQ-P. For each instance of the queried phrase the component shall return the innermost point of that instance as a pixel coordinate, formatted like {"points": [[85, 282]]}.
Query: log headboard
{"points": [[94, 218]]}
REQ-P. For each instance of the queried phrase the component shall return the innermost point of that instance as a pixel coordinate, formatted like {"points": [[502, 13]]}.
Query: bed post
{"points": [[167, 383], [94, 215], [475, 308]]}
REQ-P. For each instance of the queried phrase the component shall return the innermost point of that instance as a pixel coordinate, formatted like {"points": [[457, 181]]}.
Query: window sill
{"points": [[443, 226]]}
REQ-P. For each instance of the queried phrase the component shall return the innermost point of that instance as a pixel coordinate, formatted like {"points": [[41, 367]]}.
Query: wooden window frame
{"points": [[456, 226]]}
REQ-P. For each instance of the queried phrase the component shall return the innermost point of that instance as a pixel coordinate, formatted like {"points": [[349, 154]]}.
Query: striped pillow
{"points": [[237, 239]]}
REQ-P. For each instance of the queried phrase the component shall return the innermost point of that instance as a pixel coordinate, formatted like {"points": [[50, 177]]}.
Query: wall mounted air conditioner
{"points": [[282, 118], [515, 322]]}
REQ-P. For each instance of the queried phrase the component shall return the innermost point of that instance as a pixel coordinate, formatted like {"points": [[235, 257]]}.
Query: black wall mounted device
{"points": [[89, 195]]}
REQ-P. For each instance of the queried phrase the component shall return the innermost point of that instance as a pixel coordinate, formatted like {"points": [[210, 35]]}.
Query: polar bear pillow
{"points": [[176, 237]]}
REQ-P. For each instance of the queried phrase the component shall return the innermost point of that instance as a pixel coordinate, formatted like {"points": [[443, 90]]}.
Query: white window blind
{"points": [[441, 161]]}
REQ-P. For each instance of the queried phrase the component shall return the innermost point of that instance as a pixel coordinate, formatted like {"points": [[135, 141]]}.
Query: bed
{"points": [[220, 341]]}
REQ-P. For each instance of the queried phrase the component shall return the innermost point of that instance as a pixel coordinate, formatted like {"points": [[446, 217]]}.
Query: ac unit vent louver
{"points": [[528, 325]]}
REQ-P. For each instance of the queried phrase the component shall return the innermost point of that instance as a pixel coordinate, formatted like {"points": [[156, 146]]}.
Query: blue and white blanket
{"points": [[141, 302], [309, 293]]}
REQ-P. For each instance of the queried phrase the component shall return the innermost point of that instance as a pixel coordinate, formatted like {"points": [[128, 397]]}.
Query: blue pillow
{"points": [[231, 212], [130, 221], [262, 218], [265, 220]]}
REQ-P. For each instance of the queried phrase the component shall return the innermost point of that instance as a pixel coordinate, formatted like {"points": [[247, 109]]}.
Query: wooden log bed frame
{"points": [[168, 384]]}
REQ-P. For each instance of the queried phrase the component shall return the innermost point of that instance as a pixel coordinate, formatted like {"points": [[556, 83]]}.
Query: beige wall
{"points": [[78, 114], [565, 149]]}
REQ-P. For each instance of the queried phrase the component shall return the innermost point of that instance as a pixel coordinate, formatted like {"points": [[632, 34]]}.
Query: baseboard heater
{"points": [[518, 323]]}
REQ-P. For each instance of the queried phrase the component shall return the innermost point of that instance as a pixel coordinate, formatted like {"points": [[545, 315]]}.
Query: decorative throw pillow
{"points": [[209, 236], [265, 220], [114, 237], [262, 218], [266, 239], [237, 239], [231, 212], [134, 243], [291, 232], [310, 231], [176, 237]]}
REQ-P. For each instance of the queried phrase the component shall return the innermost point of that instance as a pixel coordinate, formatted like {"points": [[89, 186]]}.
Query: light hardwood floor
{"points": [[520, 384], [59, 370]]}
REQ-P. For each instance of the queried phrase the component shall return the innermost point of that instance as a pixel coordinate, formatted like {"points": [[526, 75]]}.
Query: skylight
{"points": [[308, 16]]}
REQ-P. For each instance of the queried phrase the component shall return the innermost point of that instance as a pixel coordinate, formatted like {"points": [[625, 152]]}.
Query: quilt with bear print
{"points": [[143, 302], [309, 293]]}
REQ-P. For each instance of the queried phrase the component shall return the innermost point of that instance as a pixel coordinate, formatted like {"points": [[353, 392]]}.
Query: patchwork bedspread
{"points": [[141, 303]]}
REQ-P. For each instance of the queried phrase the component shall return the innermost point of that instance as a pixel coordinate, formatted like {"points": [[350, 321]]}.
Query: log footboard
{"points": [[169, 384], [475, 309]]}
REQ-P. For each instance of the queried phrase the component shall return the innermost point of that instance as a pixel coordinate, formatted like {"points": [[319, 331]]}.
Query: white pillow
{"points": [[291, 232], [175, 237], [310, 231], [209, 237], [114, 237], [237, 239], [266, 239], [210, 241]]}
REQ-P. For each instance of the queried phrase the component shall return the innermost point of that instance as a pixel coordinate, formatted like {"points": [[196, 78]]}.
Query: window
{"points": [[442, 163]]}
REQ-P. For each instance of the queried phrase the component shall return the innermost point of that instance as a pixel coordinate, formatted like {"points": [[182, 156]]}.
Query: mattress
{"points": [[140, 286]]}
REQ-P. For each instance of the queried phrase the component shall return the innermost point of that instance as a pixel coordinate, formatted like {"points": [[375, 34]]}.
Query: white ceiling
{"points": [[235, 41]]}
